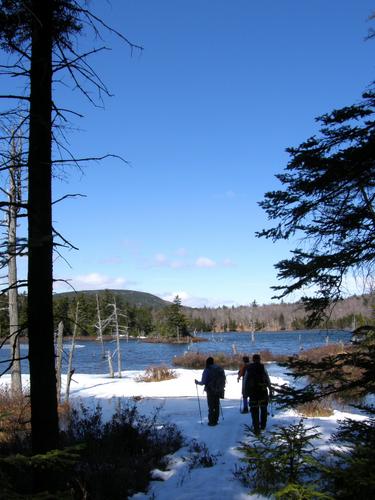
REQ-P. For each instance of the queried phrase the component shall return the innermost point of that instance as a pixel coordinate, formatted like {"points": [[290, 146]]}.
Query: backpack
{"points": [[256, 380], [217, 380]]}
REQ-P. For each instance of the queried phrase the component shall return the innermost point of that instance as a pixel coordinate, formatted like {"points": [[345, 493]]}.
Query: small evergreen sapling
{"points": [[351, 473], [279, 459]]}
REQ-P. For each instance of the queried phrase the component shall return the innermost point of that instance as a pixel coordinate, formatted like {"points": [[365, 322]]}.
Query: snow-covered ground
{"points": [[182, 402]]}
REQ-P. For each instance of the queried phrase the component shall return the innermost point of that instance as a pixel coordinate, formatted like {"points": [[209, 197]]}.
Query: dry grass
{"points": [[316, 354], [338, 372], [197, 360], [157, 374], [14, 415], [315, 409]]}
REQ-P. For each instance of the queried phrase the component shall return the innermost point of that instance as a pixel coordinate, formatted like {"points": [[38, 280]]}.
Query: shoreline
{"points": [[193, 339]]}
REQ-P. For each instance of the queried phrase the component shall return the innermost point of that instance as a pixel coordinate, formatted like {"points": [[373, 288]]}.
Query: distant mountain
{"points": [[139, 299]]}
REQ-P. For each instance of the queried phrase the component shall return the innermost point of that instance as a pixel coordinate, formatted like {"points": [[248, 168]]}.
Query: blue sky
{"points": [[203, 116]]}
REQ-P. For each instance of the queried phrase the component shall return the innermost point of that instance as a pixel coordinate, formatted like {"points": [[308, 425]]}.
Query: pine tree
{"points": [[328, 198], [176, 320]]}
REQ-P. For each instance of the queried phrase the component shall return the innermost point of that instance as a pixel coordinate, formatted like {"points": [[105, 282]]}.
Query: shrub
{"points": [[335, 371], [200, 455], [157, 374], [118, 456], [301, 492], [351, 473], [14, 420], [278, 459], [98, 460]]}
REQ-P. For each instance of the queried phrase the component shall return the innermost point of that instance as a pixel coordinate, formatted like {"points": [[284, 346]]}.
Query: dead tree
{"points": [[14, 324], [100, 325], [59, 357], [119, 331], [117, 335], [70, 369]]}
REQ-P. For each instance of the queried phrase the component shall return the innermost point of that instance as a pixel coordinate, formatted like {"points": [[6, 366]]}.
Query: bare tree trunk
{"points": [[100, 325], [70, 369], [59, 356], [14, 327], [117, 331], [110, 364], [43, 391]]}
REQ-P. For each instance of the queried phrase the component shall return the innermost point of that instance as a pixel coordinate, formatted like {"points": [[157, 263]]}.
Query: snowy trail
{"points": [[176, 401]]}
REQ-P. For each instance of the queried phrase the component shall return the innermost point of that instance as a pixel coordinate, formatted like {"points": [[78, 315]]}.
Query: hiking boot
{"points": [[245, 411]]}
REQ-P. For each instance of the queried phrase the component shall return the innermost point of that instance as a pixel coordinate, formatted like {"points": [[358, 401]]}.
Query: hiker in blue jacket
{"points": [[258, 388], [213, 379]]}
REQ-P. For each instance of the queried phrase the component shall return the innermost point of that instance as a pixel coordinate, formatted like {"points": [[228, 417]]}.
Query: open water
{"points": [[138, 355]]}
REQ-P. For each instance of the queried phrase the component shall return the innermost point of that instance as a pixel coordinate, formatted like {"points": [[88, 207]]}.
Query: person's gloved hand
{"points": [[196, 381]]}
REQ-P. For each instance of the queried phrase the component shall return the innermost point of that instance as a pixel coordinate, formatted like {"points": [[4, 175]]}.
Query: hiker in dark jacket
{"points": [[241, 374], [258, 389], [213, 396]]}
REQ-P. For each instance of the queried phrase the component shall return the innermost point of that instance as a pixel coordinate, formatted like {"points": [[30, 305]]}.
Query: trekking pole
{"points": [[272, 408], [199, 404], [221, 410]]}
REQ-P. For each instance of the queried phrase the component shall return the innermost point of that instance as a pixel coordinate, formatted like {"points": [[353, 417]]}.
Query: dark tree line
{"points": [[173, 320]]}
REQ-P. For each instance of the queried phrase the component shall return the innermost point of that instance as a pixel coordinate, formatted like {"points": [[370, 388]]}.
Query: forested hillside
{"points": [[347, 314], [132, 297], [145, 314]]}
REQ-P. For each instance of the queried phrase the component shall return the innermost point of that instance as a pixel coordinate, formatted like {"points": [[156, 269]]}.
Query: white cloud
{"points": [[97, 280], [171, 295], [191, 301], [205, 262], [161, 260]]}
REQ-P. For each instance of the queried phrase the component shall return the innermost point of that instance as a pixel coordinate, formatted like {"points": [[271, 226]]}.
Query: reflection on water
{"points": [[138, 355]]}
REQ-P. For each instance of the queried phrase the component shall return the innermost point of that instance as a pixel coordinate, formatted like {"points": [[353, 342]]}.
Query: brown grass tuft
{"points": [[157, 374], [316, 354], [14, 415], [315, 409], [197, 360]]}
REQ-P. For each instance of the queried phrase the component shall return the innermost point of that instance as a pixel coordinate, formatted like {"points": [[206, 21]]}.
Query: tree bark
{"points": [[43, 394], [70, 369], [59, 357], [117, 331], [14, 327], [99, 324]]}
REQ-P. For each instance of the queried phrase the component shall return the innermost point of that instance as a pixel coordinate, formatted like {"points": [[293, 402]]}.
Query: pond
{"points": [[138, 355]]}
